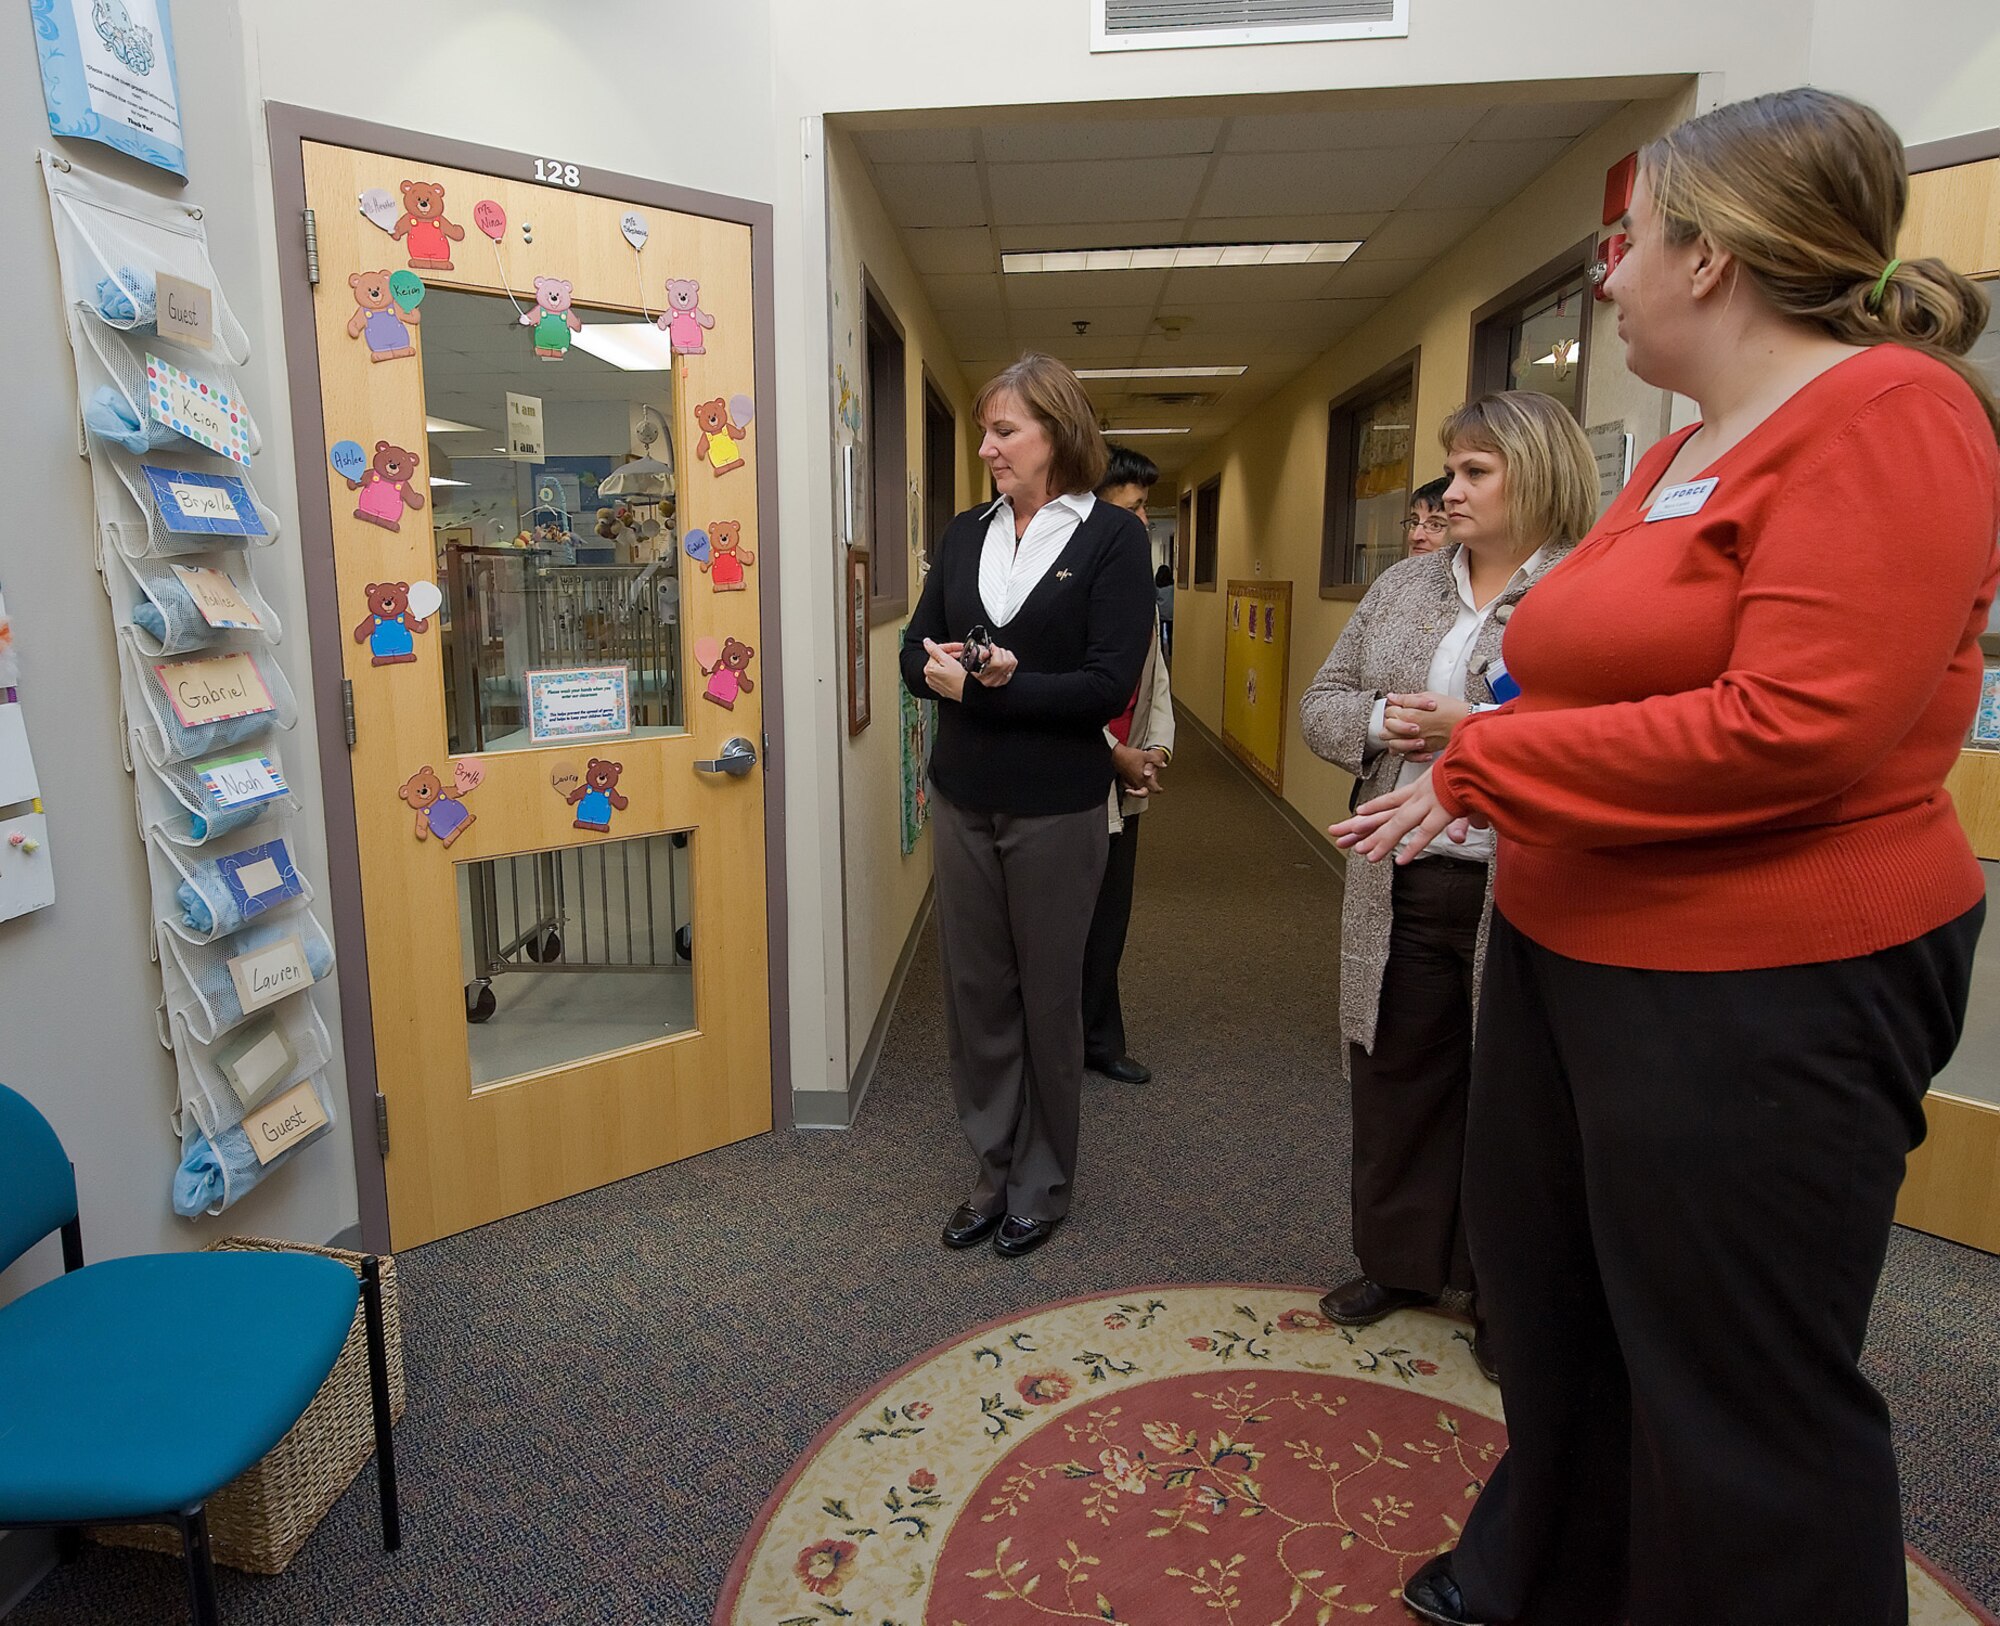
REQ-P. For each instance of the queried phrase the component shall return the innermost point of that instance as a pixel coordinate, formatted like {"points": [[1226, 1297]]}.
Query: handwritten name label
{"points": [[205, 412], [204, 504], [285, 1121], [201, 502], [266, 975], [214, 690], [186, 312], [217, 596], [240, 781]]}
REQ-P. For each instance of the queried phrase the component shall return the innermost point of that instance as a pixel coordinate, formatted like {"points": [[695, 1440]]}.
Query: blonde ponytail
{"points": [[1807, 190]]}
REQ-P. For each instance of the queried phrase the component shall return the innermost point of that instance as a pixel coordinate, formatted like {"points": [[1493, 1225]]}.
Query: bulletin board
{"points": [[1255, 662]]}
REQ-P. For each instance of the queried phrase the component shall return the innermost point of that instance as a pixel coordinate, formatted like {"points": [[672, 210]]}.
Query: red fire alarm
{"points": [[1609, 253], [1618, 187]]}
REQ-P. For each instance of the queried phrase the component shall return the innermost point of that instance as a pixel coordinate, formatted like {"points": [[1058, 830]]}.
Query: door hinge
{"points": [[381, 1123], [312, 249], [347, 709]]}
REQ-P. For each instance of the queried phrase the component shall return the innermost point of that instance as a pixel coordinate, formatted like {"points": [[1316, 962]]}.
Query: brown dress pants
{"points": [[1015, 895], [1410, 1094]]}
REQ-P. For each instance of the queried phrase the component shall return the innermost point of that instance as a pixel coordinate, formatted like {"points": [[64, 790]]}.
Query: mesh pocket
{"points": [[204, 896], [119, 480], [164, 616], [177, 801], [208, 1093], [201, 989], [163, 730]]}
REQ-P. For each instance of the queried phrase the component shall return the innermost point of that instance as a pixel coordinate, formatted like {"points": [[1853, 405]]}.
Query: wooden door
{"points": [[565, 931], [1952, 1187]]}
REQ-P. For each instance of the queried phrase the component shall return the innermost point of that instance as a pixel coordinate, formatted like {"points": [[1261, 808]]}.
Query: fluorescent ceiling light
{"points": [[1147, 431], [440, 480], [633, 347], [1161, 372], [1177, 257], [449, 426]]}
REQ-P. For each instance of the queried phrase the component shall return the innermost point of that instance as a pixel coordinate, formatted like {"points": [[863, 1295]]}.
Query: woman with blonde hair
{"points": [[1421, 654], [1735, 912], [1033, 624]]}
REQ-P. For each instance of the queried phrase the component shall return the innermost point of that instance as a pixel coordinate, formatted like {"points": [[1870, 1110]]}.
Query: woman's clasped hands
{"points": [[946, 674], [1408, 818]]}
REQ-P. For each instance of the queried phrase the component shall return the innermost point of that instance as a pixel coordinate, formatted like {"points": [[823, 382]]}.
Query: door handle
{"points": [[738, 757]]}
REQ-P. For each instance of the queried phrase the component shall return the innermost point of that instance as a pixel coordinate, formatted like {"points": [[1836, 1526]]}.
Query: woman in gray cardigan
{"points": [[1421, 653]]}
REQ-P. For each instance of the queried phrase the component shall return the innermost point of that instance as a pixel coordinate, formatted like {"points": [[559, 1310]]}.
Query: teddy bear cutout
{"points": [[684, 321], [726, 556], [439, 813], [552, 319], [722, 424], [387, 628], [727, 668], [424, 223], [385, 487], [376, 318], [598, 795]]}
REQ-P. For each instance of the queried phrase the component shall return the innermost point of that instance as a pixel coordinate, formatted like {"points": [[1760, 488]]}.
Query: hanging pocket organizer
{"points": [[190, 804], [205, 896], [200, 704], [192, 502], [216, 1171], [207, 983]]}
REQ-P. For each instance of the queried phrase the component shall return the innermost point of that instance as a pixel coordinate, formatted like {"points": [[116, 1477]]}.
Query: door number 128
{"points": [[547, 169]]}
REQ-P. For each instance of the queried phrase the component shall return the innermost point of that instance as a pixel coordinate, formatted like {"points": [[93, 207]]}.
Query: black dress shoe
{"points": [[1482, 1351], [1018, 1236], [1364, 1301], [1432, 1594], [1122, 1070], [968, 1226]]}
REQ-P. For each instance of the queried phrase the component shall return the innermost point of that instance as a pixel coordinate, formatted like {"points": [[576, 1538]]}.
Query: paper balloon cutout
{"points": [[349, 461], [633, 225], [490, 218], [696, 543], [425, 599], [740, 408], [381, 208], [466, 777], [707, 653], [407, 289]]}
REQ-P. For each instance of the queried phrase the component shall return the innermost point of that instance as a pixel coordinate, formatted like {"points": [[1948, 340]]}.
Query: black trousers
{"points": [[1410, 1093], [1103, 1017], [1679, 1187]]}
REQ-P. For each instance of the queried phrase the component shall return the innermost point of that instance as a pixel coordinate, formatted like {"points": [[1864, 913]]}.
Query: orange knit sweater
{"points": [[1730, 745]]}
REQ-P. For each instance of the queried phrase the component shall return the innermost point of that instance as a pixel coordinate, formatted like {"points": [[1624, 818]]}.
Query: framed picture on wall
{"points": [[857, 640]]}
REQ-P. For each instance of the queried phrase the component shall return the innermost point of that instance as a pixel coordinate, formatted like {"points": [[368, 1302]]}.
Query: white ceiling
{"points": [[1409, 174]]}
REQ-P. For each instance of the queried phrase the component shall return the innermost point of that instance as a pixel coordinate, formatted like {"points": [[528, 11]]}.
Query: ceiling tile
{"points": [[931, 194], [1095, 190], [1281, 183], [1217, 284], [1286, 228], [1530, 121], [952, 249], [924, 146], [964, 293], [1080, 292], [1442, 119], [1363, 279], [1100, 138], [1128, 322], [975, 329], [1417, 233], [1485, 173], [1090, 234]]}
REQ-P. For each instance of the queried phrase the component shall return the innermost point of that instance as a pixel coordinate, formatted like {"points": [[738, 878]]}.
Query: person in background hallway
{"points": [[1142, 744], [1735, 911], [1426, 528], [1412, 663], [1163, 586], [1031, 630]]}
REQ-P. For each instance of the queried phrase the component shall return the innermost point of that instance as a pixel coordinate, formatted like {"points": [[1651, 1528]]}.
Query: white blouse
{"points": [[1009, 570]]}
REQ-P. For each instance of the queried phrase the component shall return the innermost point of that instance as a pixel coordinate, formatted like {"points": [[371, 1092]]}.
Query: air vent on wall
{"points": [[1137, 25]]}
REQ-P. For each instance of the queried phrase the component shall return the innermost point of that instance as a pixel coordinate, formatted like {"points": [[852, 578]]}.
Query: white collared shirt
{"points": [[1451, 665], [1009, 570]]}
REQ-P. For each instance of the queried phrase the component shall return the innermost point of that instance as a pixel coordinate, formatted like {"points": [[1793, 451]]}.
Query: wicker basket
{"points": [[258, 1522]]}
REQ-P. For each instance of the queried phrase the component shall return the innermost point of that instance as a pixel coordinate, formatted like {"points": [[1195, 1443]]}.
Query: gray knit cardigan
{"points": [[1386, 648]]}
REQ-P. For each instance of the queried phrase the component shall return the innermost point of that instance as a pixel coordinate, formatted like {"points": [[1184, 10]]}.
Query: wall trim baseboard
{"points": [[833, 1109], [1331, 856]]}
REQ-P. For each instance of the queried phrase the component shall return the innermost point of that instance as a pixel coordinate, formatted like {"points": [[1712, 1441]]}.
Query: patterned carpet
{"points": [[604, 1392], [1147, 1456]]}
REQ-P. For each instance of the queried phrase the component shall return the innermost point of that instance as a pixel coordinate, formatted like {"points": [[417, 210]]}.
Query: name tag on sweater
{"points": [[1502, 682], [1677, 501]]}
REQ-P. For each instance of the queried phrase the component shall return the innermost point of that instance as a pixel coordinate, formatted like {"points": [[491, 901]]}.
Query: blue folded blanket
{"points": [[210, 969], [109, 416], [171, 617], [199, 1182], [115, 303], [219, 823]]}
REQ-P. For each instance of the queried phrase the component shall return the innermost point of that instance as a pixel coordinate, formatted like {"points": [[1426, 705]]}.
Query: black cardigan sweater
{"points": [[1036, 744]]}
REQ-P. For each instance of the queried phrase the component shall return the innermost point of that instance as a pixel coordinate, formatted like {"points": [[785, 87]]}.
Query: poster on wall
{"points": [[1256, 659], [108, 75], [919, 719], [857, 641]]}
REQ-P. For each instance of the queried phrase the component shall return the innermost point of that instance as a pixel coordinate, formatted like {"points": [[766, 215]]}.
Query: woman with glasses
{"points": [[1426, 528], [1419, 656]]}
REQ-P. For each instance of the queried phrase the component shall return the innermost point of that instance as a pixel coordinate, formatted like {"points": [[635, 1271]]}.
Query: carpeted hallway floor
{"points": [[603, 1392]]}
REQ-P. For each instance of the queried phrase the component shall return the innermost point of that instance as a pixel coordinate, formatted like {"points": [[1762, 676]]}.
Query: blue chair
{"points": [[132, 1391]]}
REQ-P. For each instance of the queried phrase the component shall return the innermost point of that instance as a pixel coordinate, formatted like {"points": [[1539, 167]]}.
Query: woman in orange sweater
{"points": [[1734, 910]]}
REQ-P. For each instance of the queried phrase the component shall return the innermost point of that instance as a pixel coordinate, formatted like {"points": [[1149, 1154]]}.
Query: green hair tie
{"points": [[1874, 300]]}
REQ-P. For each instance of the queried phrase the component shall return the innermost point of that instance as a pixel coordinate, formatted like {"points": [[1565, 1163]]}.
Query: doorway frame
{"points": [[288, 127]]}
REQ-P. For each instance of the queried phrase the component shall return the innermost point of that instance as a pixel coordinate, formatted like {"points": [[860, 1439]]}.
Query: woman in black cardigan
{"points": [[1031, 630]]}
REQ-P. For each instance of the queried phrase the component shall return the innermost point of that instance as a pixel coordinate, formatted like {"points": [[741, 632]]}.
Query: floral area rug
{"points": [[1162, 1455]]}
